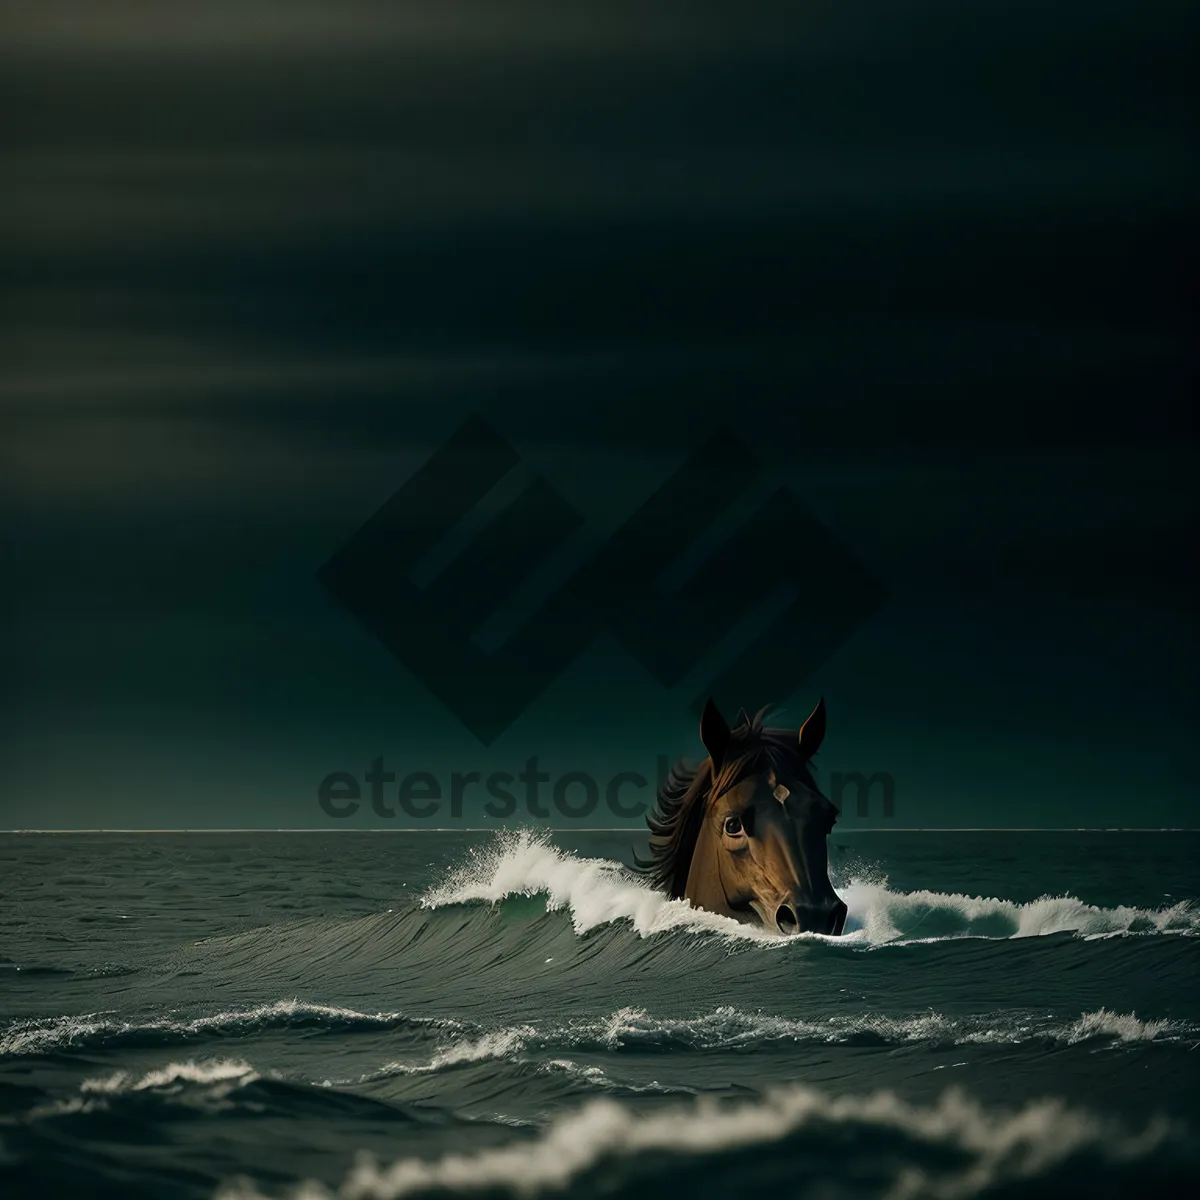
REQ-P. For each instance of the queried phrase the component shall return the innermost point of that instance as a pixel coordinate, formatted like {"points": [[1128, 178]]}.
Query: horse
{"points": [[744, 833]]}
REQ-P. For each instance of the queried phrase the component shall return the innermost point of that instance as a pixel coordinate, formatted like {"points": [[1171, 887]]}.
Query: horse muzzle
{"points": [[806, 918]]}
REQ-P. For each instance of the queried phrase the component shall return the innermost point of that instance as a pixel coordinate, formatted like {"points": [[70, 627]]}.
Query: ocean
{"points": [[366, 1014]]}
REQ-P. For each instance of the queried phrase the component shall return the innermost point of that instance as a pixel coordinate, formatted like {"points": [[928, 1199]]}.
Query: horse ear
{"points": [[812, 732], [714, 733], [743, 718]]}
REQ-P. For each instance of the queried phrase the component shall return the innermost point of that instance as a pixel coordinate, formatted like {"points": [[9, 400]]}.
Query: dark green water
{"points": [[187, 1015]]}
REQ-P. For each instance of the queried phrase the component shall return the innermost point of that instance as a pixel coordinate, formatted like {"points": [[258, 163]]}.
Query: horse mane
{"points": [[685, 796]]}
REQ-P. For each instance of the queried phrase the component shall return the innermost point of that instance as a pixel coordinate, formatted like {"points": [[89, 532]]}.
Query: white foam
{"points": [[218, 1078], [729, 1028], [216, 1071], [998, 1146], [1124, 1027], [597, 892], [595, 1077], [38, 1036], [499, 1044], [884, 916]]}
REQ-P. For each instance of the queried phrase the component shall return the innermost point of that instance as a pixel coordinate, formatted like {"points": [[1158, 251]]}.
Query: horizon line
{"points": [[627, 829]]}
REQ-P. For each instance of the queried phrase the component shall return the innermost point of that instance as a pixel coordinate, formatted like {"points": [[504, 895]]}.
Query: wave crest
{"points": [[45, 1035], [727, 1028], [952, 1149], [598, 892], [173, 1074], [595, 891]]}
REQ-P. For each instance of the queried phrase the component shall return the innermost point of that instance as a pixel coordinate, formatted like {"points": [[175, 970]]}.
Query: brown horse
{"points": [[744, 833]]}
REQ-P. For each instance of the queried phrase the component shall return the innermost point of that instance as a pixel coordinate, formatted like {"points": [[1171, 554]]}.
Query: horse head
{"points": [[760, 850]]}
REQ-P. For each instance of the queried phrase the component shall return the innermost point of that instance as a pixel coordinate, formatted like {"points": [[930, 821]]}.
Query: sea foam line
{"points": [[727, 1028], [463, 1042], [40, 1035], [998, 1146], [221, 1071], [216, 1078], [598, 892], [499, 1044]]}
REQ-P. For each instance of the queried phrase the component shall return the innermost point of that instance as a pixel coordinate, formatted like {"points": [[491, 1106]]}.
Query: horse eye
{"points": [[733, 826]]}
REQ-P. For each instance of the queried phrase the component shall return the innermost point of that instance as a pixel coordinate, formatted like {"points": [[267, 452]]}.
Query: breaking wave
{"points": [[215, 1071], [44, 1035], [726, 1028], [456, 1043], [952, 1149], [597, 892]]}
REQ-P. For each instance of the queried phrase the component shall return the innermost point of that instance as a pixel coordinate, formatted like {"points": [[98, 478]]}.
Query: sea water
{"points": [[245, 1015]]}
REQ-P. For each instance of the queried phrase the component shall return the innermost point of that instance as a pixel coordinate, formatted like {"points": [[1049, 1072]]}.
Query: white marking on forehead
{"points": [[781, 793]]}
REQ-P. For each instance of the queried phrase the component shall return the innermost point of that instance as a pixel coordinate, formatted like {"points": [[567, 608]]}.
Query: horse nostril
{"points": [[786, 919]]}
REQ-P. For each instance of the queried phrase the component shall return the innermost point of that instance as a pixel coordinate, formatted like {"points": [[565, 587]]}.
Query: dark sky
{"points": [[934, 263]]}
